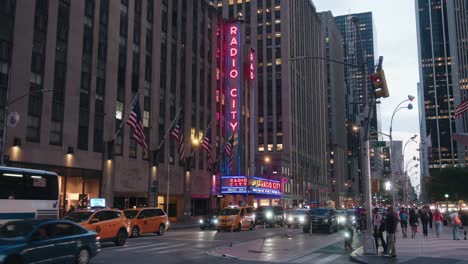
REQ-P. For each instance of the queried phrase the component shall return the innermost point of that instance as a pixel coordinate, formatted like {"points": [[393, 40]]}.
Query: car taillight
{"points": [[98, 238]]}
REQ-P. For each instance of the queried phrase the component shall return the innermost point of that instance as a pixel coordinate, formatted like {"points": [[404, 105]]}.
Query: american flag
{"points": [[229, 148], [461, 108], [136, 122], [206, 145], [178, 134]]}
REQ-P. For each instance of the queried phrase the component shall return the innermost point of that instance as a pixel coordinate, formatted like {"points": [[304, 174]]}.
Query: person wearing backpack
{"points": [[456, 222], [404, 222], [424, 215]]}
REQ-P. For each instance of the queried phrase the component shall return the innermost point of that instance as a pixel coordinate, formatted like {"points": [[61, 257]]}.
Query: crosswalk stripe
{"points": [[159, 249], [329, 259], [306, 258], [173, 250], [139, 247]]}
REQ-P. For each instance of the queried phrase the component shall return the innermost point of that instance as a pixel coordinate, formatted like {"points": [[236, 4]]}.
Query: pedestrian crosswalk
{"points": [[317, 258], [147, 248]]}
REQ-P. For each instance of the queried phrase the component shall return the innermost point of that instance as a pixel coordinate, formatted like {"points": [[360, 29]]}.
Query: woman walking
{"points": [[404, 222], [437, 221], [413, 221]]}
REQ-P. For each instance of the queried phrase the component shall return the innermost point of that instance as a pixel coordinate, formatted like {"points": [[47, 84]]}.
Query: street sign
{"points": [[379, 144]]}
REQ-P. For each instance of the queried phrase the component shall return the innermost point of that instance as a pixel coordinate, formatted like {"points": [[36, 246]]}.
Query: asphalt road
{"points": [[192, 245]]}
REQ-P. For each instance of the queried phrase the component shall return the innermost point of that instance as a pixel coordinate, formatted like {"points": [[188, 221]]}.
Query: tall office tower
{"points": [[437, 86], [358, 38], [80, 65], [290, 95], [337, 149]]}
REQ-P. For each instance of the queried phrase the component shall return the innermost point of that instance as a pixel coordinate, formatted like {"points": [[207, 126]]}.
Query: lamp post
{"points": [[169, 161], [398, 108], [5, 116]]}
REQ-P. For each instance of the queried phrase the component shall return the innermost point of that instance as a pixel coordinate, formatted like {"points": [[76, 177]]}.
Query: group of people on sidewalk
{"points": [[388, 222]]}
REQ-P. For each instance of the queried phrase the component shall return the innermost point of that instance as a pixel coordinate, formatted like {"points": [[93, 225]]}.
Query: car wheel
{"points": [[289, 226], [121, 238], [239, 227], [83, 257], [161, 230], [13, 260], [218, 230], [202, 227], [135, 232], [252, 225], [331, 229], [306, 230]]}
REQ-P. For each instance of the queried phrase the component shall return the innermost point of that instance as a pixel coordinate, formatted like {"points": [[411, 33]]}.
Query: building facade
{"points": [[436, 82], [337, 150], [79, 76], [358, 33]]}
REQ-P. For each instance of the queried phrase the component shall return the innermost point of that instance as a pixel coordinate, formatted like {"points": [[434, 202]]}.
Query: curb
{"points": [[354, 256]]}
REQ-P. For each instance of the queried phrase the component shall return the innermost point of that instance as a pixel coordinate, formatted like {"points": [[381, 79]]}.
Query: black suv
{"points": [[321, 218], [269, 215]]}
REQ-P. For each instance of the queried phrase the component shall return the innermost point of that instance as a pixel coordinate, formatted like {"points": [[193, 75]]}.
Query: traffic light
{"points": [[380, 84]]}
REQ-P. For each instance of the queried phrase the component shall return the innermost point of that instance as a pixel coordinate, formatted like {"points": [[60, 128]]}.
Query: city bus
{"points": [[28, 194]]}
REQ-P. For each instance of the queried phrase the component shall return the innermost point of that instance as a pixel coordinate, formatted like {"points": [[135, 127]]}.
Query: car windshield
{"points": [[15, 229], [299, 212], [319, 211], [230, 211], [261, 209], [78, 217], [351, 212], [130, 214]]}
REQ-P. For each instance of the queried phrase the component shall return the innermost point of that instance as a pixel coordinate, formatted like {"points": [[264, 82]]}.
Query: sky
{"points": [[396, 40]]}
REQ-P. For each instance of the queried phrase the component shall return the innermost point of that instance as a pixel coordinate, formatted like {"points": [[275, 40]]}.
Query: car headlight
{"points": [[290, 219], [325, 220], [201, 221], [269, 215], [353, 217], [341, 219], [302, 219], [215, 221]]}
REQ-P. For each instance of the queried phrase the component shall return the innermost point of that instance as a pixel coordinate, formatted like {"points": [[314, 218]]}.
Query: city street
{"points": [[192, 245]]}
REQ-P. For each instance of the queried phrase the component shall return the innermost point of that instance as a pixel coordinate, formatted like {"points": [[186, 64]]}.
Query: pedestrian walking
{"points": [[378, 230], [455, 222], [437, 221], [414, 222], [464, 219], [424, 215], [391, 223], [404, 222]]}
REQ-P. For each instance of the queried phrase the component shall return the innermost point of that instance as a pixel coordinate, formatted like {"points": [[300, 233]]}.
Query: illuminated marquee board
{"points": [[265, 186], [233, 184], [234, 65], [239, 185]]}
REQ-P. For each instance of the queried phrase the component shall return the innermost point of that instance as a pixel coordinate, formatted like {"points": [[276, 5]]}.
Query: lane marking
{"points": [[139, 247]]}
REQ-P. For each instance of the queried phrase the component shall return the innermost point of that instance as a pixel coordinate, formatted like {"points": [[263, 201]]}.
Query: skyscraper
{"points": [[358, 38], [437, 88], [337, 149]]}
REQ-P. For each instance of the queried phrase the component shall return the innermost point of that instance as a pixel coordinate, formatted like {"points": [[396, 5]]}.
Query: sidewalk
{"points": [[422, 249]]}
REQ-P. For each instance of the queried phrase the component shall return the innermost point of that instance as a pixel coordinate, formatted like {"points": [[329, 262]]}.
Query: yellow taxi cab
{"points": [[235, 218], [109, 224], [147, 220]]}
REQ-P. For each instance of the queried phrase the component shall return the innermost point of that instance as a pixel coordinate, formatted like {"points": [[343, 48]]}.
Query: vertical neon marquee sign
{"points": [[233, 92], [234, 64]]}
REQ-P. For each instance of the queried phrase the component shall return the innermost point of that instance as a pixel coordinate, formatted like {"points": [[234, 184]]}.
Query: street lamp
{"points": [[398, 108], [5, 116]]}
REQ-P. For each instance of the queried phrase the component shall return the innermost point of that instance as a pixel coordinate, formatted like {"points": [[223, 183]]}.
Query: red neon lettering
{"points": [[233, 30], [233, 51], [234, 92], [233, 74], [233, 42], [233, 114], [234, 125]]}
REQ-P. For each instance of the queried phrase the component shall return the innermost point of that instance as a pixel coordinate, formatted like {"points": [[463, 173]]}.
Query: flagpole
{"points": [[150, 157]]}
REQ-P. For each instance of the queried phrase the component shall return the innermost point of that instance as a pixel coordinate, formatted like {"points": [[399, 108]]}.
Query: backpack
{"points": [[456, 221], [403, 216]]}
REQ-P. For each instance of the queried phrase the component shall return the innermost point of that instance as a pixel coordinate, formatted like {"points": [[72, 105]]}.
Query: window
{"points": [[119, 110], [33, 128], [56, 133]]}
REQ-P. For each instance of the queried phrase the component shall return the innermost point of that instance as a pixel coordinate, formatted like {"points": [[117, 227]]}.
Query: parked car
{"points": [[270, 215], [46, 241], [296, 217], [321, 218], [235, 218], [147, 220], [209, 221], [110, 224]]}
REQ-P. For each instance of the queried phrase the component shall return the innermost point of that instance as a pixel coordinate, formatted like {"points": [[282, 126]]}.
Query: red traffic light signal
{"points": [[380, 84]]}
